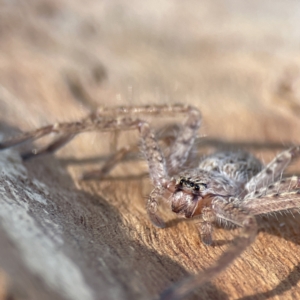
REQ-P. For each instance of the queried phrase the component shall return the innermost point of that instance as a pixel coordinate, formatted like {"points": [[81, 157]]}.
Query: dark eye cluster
{"points": [[196, 187]]}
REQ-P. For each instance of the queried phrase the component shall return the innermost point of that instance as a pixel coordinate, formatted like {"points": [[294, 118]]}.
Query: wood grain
{"points": [[61, 238]]}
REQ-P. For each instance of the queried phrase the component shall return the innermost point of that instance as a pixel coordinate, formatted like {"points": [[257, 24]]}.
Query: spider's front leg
{"points": [[158, 167], [206, 225], [184, 142], [119, 118], [66, 131], [105, 119], [157, 170]]}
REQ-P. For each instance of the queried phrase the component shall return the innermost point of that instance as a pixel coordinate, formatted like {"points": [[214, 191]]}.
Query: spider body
{"points": [[231, 187], [233, 170], [221, 176]]}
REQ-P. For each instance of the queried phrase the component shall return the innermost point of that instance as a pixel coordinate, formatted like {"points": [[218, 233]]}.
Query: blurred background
{"points": [[232, 58], [237, 61]]}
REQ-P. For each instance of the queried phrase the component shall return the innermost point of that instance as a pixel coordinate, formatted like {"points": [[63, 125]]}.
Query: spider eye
{"points": [[182, 181], [196, 187], [202, 186]]}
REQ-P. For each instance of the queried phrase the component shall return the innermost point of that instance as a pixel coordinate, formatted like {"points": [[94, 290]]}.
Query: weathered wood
{"points": [[66, 239]]}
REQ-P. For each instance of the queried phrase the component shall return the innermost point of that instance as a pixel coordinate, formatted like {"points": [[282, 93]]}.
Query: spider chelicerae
{"points": [[224, 187]]}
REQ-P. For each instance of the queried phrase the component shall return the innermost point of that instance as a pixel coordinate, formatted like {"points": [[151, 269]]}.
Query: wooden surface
{"points": [[237, 61]]}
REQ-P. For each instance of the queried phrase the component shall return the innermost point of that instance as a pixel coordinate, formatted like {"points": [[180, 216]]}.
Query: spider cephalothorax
{"points": [[231, 187], [193, 190]]}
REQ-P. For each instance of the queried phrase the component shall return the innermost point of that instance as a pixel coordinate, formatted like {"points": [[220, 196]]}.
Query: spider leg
{"points": [[168, 133], [181, 148], [273, 170], [283, 185], [114, 119], [156, 160], [233, 214], [72, 129], [206, 228], [287, 197], [152, 205], [157, 170], [110, 163], [143, 110], [28, 136], [157, 163], [105, 119], [54, 146]]}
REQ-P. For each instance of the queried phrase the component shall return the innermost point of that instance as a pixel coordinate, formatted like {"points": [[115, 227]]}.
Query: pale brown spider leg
{"points": [[283, 185], [73, 128], [168, 133], [181, 148], [152, 205], [54, 146], [27, 136], [143, 110], [156, 160], [157, 170], [233, 214], [275, 202], [157, 163], [206, 225], [273, 170], [102, 120], [110, 163]]}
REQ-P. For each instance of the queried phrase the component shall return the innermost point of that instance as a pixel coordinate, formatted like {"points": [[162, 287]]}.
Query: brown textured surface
{"points": [[237, 62]]}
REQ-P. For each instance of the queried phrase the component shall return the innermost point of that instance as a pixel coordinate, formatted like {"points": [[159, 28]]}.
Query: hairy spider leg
{"points": [[158, 167], [206, 225], [105, 119], [184, 142], [282, 185], [283, 195], [273, 170]]}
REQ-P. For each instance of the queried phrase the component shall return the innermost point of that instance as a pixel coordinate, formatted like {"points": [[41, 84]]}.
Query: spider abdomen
{"points": [[239, 166]]}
